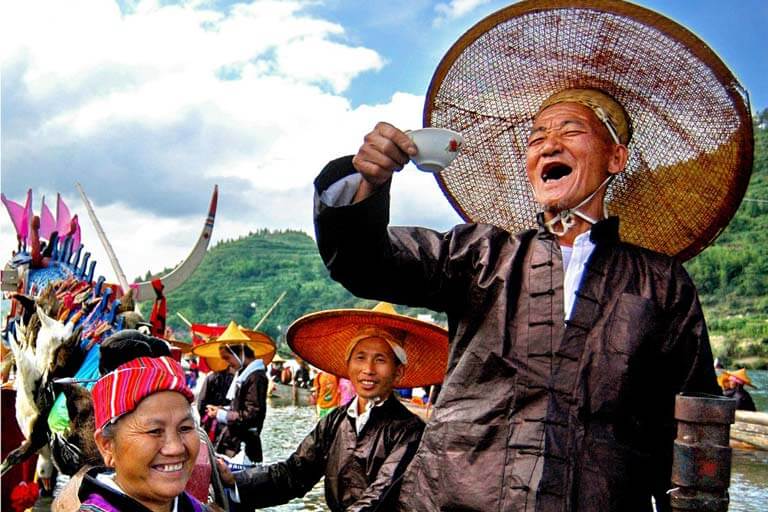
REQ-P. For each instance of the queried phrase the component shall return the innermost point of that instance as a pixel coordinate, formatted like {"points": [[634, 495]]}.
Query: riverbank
{"points": [[738, 330], [735, 352]]}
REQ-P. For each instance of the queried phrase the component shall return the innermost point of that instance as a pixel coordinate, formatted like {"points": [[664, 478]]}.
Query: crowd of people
{"points": [[570, 334]]}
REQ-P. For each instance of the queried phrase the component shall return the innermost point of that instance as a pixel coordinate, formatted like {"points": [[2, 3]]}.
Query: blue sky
{"points": [[413, 45], [150, 103]]}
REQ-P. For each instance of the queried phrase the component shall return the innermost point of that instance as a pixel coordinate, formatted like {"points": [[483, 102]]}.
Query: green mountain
{"points": [[240, 279]]}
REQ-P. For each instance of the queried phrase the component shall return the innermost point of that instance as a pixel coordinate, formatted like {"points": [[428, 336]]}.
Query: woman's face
{"points": [[154, 449]]}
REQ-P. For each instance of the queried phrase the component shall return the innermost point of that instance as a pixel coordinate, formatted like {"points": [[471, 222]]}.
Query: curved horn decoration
{"points": [[177, 276]]}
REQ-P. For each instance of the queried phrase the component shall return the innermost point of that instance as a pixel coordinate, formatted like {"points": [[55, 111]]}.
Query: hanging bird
{"points": [[34, 391], [76, 447]]}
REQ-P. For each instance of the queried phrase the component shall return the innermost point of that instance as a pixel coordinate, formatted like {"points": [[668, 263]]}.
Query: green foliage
{"points": [[256, 269]]}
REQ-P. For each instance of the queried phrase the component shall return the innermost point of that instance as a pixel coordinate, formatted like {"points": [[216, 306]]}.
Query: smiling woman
{"points": [[147, 435]]}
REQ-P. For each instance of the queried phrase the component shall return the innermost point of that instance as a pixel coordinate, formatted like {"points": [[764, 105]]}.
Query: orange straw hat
{"points": [[263, 346], [326, 338], [740, 377]]}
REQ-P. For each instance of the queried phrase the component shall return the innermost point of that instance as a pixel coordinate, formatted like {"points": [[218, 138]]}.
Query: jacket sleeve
{"points": [[382, 493], [252, 405], [275, 484], [404, 265], [686, 366]]}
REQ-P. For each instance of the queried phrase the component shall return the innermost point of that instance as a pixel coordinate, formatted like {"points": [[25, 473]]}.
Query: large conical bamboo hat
{"points": [[690, 156], [323, 338]]}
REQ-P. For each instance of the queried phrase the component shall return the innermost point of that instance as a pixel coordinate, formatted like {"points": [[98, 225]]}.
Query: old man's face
{"points": [[569, 155]]}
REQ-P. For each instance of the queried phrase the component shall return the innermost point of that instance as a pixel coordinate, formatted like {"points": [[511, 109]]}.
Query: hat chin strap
{"points": [[567, 218], [237, 358]]}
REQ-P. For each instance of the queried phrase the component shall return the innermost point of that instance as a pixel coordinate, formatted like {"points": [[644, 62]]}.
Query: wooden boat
{"points": [[750, 430], [286, 394]]}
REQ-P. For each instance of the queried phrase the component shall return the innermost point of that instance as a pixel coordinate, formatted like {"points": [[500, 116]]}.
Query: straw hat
{"points": [[690, 156], [184, 346], [740, 376], [323, 338], [262, 345]]}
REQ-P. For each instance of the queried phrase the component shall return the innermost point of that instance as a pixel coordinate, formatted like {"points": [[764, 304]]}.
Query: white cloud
{"points": [[149, 107], [455, 9], [306, 59]]}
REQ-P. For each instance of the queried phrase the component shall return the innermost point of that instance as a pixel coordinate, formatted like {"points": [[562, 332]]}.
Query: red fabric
{"points": [[11, 439], [24, 496], [120, 391], [159, 310], [198, 482], [75, 233], [201, 332]]}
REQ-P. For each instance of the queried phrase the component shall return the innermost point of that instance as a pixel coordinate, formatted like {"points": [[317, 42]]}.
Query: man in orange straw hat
{"points": [[362, 447], [570, 335]]}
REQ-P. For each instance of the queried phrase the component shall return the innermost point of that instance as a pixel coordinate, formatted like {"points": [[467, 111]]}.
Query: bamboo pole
{"points": [[183, 319], [269, 311]]}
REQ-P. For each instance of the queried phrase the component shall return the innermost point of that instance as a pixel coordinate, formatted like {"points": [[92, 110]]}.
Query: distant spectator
{"points": [[326, 390], [733, 387]]}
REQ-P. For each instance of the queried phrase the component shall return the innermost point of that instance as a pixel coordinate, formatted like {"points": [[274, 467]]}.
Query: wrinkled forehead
{"points": [[604, 107], [562, 115]]}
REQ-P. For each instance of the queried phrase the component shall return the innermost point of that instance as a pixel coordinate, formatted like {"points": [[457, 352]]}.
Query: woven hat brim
{"points": [[263, 347], [216, 364], [691, 152], [322, 338], [184, 346]]}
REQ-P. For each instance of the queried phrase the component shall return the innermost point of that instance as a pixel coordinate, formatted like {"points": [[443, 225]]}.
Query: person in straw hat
{"points": [[362, 447], [571, 333], [248, 353], [733, 387]]}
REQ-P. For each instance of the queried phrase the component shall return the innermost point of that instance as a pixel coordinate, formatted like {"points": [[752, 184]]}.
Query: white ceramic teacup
{"points": [[437, 148]]}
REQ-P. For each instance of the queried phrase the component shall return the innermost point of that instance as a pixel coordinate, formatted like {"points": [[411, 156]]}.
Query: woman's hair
{"points": [[109, 431]]}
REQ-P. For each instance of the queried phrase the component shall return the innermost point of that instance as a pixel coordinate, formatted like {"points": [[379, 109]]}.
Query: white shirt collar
{"points": [[574, 262], [362, 418]]}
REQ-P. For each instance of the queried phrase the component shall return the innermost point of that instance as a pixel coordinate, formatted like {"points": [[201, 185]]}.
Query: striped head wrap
{"points": [[120, 391]]}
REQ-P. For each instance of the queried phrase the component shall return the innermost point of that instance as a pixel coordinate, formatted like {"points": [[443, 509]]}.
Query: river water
{"points": [[286, 426]]}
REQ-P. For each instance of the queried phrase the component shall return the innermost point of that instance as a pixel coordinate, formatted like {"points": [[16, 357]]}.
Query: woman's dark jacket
{"points": [[536, 413], [245, 418], [97, 497], [361, 473]]}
